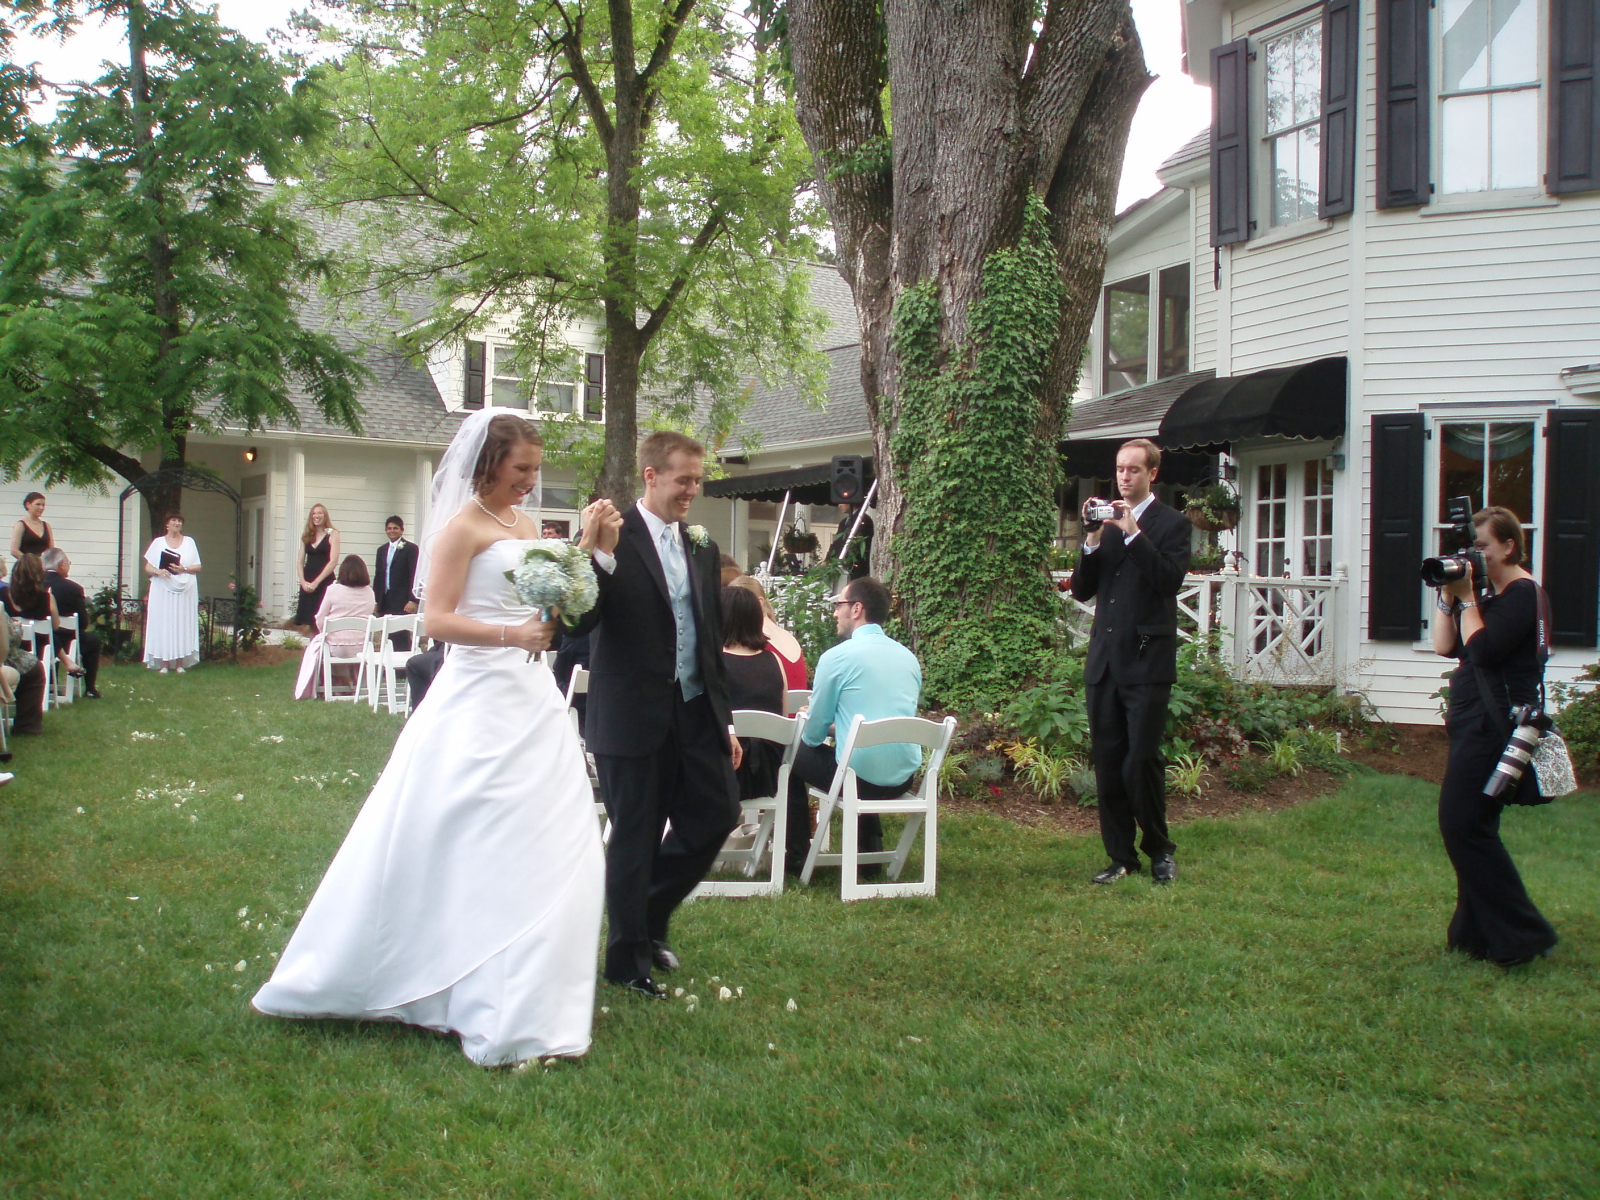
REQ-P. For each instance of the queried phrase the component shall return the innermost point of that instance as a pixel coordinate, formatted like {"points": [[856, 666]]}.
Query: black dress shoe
{"points": [[1164, 869], [91, 694], [1112, 873], [646, 987], [663, 958]]}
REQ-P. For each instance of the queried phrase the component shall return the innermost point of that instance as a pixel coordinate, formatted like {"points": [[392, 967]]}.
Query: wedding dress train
{"points": [[467, 895]]}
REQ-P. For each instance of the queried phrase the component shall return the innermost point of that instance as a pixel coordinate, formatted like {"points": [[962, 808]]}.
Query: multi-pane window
{"points": [[1127, 334], [1489, 94], [1173, 347], [509, 389], [1492, 463], [1293, 121], [1292, 520], [1126, 348]]}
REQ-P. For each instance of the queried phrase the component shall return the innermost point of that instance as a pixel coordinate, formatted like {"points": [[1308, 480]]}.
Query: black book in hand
{"points": [[171, 560]]}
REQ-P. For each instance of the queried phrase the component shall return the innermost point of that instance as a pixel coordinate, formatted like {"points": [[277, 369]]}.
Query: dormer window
{"points": [[492, 373]]}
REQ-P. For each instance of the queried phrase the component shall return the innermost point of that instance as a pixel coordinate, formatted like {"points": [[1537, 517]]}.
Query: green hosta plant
{"points": [[1185, 773]]}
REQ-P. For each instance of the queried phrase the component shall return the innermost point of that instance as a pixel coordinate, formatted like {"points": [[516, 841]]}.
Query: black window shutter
{"points": [[1574, 98], [594, 387], [1403, 100], [473, 397], [1572, 525], [1394, 588], [1341, 79], [1230, 143]]}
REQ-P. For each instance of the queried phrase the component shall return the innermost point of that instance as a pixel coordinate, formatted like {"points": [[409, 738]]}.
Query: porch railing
{"points": [[1273, 630]]}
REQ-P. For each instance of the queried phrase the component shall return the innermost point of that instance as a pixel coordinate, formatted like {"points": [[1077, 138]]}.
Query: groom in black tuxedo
{"points": [[658, 708]]}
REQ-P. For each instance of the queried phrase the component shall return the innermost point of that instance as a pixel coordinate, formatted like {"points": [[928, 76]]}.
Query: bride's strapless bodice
{"points": [[488, 595]]}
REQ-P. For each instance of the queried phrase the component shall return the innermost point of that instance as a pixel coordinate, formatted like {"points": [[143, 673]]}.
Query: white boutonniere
{"points": [[699, 536]]}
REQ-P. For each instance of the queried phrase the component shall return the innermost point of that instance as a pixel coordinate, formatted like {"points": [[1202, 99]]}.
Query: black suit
{"points": [[1133, 649], [392, 583], [658, 756], [70, 601]]}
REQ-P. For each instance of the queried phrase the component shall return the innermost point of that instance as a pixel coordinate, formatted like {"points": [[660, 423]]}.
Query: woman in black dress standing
{"points": [[31, 535], [1497, 641], [319, 550], [755, 680]]}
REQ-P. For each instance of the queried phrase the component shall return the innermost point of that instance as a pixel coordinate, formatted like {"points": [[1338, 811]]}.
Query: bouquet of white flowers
{"points": [[558, 576]]}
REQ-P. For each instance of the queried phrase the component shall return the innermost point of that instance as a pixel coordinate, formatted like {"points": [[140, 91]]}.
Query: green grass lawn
{"points": [[1281, 1022]]}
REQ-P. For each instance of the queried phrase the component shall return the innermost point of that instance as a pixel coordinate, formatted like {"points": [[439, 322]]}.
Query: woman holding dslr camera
{"points": [[1496, 637]]}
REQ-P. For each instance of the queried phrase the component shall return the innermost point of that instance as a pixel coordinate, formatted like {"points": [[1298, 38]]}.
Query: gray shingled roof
{"points": [[778, 416], [831, 294], [400, 401], [1197, 147], [1139, 410]]}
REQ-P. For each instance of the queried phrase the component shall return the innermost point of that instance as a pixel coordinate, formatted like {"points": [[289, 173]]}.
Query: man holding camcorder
{"points": [[1135, 555]]}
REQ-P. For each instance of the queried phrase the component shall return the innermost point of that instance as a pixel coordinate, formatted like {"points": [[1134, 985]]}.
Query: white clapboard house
{"points": [[1372, 284]]}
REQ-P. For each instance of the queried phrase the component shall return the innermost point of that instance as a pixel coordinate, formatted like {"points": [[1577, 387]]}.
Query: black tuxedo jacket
{"points": [[392, 586], [633, 650], [69, 597], [1135, 634]]}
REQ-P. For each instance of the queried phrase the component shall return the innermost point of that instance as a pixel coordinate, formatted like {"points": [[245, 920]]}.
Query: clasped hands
{"points": [[602, 527]]}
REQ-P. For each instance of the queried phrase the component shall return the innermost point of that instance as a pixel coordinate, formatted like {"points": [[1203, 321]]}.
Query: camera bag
{"points": [[1551, 772]]}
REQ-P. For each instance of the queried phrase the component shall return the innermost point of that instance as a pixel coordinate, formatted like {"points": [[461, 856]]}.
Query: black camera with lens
{"points": [[1446, 568], [1096, 512]]}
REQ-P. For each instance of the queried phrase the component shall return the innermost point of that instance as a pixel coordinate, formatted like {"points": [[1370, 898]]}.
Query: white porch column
{"points": [[421, 490], [293, 521]]}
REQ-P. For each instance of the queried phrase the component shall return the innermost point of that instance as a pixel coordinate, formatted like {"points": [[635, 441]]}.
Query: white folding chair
{"points": [[367, 680], [32, 632], [342, 656], [796, 699], [765, 828], [919, 807], [68, 685], [578, 685], [388, 677]]}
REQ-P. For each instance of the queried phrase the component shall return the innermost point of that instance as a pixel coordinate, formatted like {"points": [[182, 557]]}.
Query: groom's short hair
{"points": [[657, 449]]}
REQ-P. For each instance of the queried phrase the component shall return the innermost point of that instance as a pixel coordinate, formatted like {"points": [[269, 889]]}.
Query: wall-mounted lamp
{"points": [[1335, 462], [1229, 471], [250, 454]]}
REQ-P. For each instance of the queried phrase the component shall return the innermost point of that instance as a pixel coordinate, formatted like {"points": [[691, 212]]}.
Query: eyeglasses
{"points": [[836, 603]]}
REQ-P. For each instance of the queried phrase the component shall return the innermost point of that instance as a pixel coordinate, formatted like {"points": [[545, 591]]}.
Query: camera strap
{"points": [[1501, 713]]}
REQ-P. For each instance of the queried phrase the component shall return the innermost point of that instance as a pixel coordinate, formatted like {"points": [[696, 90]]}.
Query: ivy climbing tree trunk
{"points": [[973, 240]]}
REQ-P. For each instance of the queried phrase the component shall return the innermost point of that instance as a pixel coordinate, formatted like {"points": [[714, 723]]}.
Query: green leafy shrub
{"points": [[1577, 714], [987, 772], [1284, 755], [1185, 773], [1250, 774], [291, 642]]}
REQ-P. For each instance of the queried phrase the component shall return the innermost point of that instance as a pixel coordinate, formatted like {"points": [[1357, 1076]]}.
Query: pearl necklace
{"points": [[511, 524]]}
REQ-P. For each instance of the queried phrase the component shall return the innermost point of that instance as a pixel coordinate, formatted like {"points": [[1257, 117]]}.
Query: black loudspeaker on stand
{"points": [[848, 478]]}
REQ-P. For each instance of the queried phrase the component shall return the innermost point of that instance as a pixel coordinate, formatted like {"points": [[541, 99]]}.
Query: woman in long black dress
{"points": [[31, 535], [319, 550], [1497, 640], [755, 680]]}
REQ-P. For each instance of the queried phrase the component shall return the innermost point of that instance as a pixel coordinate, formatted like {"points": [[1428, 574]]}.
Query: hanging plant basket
{"points": [[1212, 521], [800, 543]]}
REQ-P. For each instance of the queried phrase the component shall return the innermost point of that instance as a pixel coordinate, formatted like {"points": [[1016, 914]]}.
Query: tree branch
{"points": [[685, 272]]}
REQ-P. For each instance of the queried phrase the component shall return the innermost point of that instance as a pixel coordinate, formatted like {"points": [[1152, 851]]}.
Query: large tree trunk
{"points": [[989, 109]]}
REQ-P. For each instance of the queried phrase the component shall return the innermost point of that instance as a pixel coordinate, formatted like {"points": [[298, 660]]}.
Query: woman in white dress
{"points": [[172, 609], [467, 895]]}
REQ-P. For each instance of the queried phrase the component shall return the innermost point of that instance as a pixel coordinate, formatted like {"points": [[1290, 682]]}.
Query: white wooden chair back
{"points": [[578, 685], [920, 807], [764, 831], [343, 656], [32, 632], [389, 671], [797, 698], [68, 685]]}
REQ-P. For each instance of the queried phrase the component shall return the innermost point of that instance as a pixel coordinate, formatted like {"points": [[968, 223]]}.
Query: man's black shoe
{"points": [[1112, 873], [645, 987], [91, 694], [1164, 869], [662, 956]]}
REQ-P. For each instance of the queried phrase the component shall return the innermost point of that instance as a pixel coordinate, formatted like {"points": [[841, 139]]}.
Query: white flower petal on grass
{"points": [[691, 1000], [917, 1040], [603, 1008], [240, 965], [243, 912], [677, 993], [238, 796], [739, 992], [80, 810], [772, 1046], [724, 994], [208, 966], [688, 1008], [792, 1006], [133, 897], [522, 1066]]}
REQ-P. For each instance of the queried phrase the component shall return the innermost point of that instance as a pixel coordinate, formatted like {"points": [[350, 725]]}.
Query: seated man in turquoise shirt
{"points": [[870, 675]]}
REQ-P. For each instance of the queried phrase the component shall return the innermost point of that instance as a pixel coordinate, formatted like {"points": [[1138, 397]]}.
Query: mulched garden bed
{"points": [[1418, 751]]}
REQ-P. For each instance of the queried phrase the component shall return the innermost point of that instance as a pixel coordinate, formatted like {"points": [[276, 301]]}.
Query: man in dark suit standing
{"points": [[1134, 566], [658, 719], [71, 602], [394, 573]]}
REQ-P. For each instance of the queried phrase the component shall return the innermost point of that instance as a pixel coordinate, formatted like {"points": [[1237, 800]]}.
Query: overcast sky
{"points": [[1172, 111]]}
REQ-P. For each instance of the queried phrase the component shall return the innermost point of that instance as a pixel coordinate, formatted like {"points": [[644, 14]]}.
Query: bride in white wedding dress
{"points": [[466, 897]]}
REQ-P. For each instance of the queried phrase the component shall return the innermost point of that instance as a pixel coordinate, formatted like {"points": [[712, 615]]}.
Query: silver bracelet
{"points": [[502, 635], [1442, 605], [1469, 604]]}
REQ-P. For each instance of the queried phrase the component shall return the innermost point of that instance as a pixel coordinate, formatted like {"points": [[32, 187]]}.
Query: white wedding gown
{"points": [[467, 895]]}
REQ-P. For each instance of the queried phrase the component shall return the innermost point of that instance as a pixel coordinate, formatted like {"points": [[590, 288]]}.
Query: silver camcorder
{"points": [[1097, 512]]}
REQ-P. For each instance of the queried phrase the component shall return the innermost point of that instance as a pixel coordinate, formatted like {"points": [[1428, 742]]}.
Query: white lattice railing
{"points": [[1276, 630]]}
